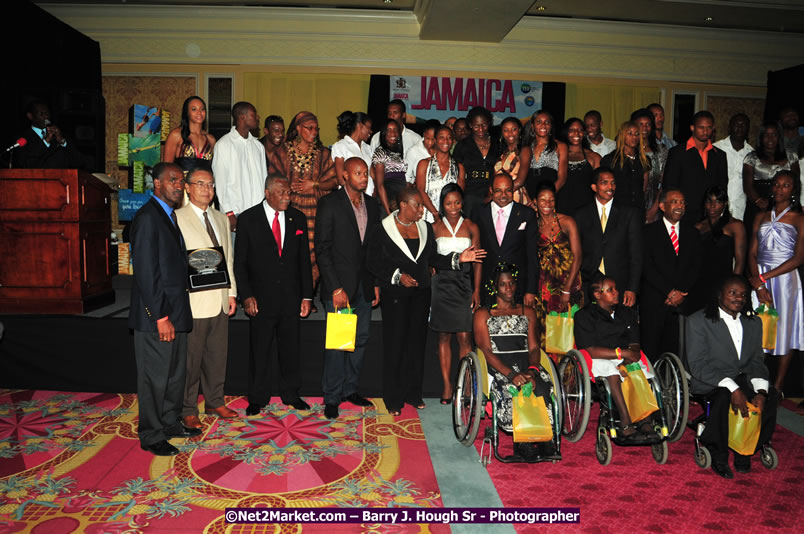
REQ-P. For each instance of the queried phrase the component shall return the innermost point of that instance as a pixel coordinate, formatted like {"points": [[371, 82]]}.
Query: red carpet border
{"points": [[71, 462]]}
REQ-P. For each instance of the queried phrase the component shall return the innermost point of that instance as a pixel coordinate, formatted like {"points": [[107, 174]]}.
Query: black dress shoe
{"points": [[181, 431], [161, 448], [742, 464], [722, 470], [358, 400], [253, 409], [331, 411], [298, 404]]}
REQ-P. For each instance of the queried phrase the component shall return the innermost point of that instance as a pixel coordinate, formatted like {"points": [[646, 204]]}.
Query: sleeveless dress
{"points": [[190, 158], [509, 342], [577, 191], [555, 260], [777, 243], [396, 168], [763, 177], [718, 262], [509, 164], [544, 168], [657, 159], [434, 182], [451, 291]]}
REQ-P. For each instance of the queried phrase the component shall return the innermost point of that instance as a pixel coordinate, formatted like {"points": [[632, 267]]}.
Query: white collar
{"points": [[393, 232], [506, 210], [727, 316], [668, 224], [607, 205]]}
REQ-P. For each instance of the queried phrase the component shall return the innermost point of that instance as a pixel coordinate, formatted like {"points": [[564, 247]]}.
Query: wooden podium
{"points": [[54, 241]]}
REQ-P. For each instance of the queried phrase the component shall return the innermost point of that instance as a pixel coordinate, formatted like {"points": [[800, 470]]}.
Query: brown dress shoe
{"points": [[223, 412], [191, 421]]}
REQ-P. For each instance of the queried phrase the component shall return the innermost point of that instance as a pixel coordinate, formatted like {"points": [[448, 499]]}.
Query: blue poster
{"points": [[129, 202], [436, 97]]}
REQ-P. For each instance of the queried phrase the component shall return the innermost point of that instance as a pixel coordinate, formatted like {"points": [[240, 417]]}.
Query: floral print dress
{"points": [[555, 260]]}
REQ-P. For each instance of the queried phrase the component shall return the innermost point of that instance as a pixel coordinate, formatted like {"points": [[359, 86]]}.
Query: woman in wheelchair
{"points": [[507, 334], [609, 332], [725, 359]]}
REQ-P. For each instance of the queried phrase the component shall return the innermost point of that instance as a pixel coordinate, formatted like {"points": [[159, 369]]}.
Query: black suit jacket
{"points": [[620, 245], [160, 287], [685, 171], [339, 253], [278, 283], [37, 155], [711, 355], [663, 270], [519, 245]]}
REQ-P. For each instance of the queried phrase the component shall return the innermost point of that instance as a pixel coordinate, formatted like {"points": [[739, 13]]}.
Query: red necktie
{"points": [[674, 238], [278, 232]]}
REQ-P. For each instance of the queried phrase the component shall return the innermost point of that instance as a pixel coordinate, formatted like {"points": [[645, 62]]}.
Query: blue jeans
{"points": [[342, 369]]}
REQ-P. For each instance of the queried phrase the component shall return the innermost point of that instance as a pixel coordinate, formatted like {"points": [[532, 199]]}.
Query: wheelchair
{"points": [[473, 390], [669, 386]]}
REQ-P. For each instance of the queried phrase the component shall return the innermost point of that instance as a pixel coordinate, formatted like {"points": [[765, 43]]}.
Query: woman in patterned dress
{"points": [[559, 257], [307, 165], [510, 161], [434, 173], [388, 166], [190, 145]]}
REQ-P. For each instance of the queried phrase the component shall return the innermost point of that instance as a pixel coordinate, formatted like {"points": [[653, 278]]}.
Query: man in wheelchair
{"points": [[725, 359], [609, 332], [507, 334]]}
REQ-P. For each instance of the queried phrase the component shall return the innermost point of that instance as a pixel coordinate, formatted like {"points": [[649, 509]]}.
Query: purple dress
{"points": [[777, 242]]}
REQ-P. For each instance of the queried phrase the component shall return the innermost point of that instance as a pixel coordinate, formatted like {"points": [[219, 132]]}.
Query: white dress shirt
{"points": [[506, 213], [668, 224], [240, 170], [735, 327], [347, 148], [200, 213], [269, 213], [734, 159], [604, 147], [600, 207], [409, 138], [413, 157]]}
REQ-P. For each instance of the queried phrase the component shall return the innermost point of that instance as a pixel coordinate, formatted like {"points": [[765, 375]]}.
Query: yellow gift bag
{"points": [[530, 419], [639, 397], [769, 318], [341, 330], [744, 431], [559, 336]]}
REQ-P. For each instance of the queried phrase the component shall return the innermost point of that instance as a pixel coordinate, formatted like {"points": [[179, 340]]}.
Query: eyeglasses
{"points": [[203, 185], [311, 128]]}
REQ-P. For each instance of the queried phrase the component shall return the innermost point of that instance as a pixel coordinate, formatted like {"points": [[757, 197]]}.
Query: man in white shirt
{"points": [[736, 149], [239, 164], [421, 150], [594, 122], [398, 112], [202, 226], [727, 365], [658, 120]]}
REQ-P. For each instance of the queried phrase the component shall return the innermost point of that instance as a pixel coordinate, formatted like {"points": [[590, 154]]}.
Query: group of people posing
{"points": [[423, 226]]}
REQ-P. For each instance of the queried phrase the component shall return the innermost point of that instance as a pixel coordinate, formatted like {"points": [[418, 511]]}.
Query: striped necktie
{"points": [[674, 238]]}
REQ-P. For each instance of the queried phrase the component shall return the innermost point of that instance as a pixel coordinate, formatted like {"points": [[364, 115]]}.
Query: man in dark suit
{"points": [[342, 221], [509, 233], [160, 313], [275, 283], [695, 167], [726, 361], [46, 147], [611, 239], [672, 258]]}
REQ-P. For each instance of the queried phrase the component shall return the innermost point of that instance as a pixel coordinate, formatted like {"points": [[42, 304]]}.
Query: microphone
{"points": [[20, 142]]}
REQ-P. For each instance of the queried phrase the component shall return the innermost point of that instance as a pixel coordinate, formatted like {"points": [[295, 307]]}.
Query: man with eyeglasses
{"points": [[202, 226], [160, 313]]}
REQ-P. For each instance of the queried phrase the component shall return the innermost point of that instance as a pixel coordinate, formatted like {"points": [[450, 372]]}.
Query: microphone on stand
{"points": [[20, 142]]}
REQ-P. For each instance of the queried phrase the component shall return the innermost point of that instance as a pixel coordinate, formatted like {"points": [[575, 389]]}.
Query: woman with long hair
{"points": [[510, 160], [581, 164], [190, 145], [657, 156], [777, 249], [434, 173], [354, 130], [724, 245], [388, 165], [631, 167], [478, 154], [545, 157]]}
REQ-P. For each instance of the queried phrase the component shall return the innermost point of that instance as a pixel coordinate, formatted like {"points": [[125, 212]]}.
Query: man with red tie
{"points": [[275, 283], [672, 259]]}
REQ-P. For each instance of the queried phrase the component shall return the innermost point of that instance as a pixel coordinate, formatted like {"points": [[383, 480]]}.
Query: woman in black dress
{"points": [[581, 163], [631, 167], [190, 145], [477, 153], [401, 252]]}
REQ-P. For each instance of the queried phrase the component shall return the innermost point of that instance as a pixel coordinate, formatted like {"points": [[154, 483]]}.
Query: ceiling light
{"points": [[541, 8], [708, 19], [388, 1]]}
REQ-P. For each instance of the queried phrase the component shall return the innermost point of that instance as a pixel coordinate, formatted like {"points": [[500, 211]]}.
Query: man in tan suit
{"points": [[207, 345]]}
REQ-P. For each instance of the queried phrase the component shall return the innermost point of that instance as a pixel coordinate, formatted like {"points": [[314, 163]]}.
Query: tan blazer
{"points": [[205, 304]]}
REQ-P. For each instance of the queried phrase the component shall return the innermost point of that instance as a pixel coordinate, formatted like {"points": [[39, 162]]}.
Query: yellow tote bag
{"points": [[341, 330], [531, 422], [639, 397], [744, 431], [559, 335], [769, 317]]}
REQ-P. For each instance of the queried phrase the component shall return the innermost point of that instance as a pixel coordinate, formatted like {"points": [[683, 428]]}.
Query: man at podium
{"points": [[46, 147]]}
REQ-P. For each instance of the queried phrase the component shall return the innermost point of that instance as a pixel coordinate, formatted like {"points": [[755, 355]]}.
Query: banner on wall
{"points": [[438, 97]]}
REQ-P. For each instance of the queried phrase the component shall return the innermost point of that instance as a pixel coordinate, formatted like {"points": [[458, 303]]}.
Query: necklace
{"points": [[302, 161], [396, 216]]}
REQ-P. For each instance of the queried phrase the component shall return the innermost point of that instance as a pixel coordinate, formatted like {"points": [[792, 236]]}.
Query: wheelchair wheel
{"points": [[675, 394], [768, 457], [467, 400], [703, 457], [577, 392], [559, 395], [659, 451], [603, 447]]}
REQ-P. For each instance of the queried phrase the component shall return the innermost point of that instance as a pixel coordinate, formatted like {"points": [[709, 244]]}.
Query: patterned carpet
{"points": [[635, 494], [71, 462]]}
